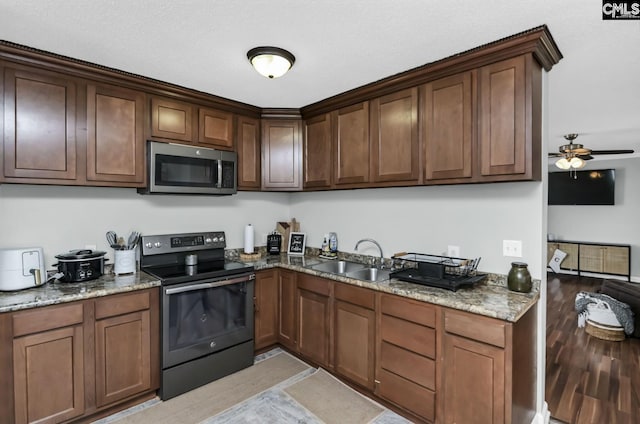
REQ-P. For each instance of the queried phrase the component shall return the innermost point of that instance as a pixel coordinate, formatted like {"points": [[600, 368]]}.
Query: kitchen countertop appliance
{"points": [[81, 265], [21, 268], [444, 272], [206, 309]]}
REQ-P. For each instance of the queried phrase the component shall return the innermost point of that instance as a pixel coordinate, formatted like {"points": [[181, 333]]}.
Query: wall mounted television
{"points": [[589, 187]]}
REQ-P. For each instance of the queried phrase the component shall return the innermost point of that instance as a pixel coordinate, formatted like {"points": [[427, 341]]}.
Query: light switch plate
{"points": [[453, 251], [512, 248]]}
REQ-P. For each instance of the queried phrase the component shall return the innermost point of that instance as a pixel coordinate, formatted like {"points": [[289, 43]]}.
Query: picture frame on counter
{"points": [[297, 242]]}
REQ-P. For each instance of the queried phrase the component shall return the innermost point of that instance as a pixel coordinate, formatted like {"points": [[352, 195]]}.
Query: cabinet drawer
{"points": [[411, 336], [356, 295], [314, 284], [121, 304], [409, 365], [475, 327], [410, 310], [48, 318], [406, 394]]}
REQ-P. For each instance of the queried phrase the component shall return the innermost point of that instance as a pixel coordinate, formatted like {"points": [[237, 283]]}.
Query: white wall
{"points": [[428, 219], [606, 224], [64, 218]]}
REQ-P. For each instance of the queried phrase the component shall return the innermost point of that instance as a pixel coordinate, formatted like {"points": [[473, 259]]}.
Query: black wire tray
{"points": [[445, 272]]}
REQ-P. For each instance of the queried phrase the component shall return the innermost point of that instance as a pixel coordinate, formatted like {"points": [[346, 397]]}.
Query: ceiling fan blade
{"points": [[585, 157], [611, 152]]}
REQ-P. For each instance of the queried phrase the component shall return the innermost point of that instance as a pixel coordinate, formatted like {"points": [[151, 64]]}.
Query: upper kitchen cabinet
{"points": [[447, 118], [318, 156], [115, 135], [281, 154], [39, 126], [351, 145], [248, 146], [189, 123], [394, 137], [172, 119], [509, 119], [215, 128]]}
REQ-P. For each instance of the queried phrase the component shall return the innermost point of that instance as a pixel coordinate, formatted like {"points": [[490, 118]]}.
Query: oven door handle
{"points": [[200, 286]]}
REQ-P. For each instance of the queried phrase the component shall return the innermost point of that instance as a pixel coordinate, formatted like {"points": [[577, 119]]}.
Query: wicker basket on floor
{"points": [[604, 332]]}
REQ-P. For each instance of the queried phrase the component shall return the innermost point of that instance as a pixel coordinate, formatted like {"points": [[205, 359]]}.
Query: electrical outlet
{"points": [[453, 251], [512, 248]]}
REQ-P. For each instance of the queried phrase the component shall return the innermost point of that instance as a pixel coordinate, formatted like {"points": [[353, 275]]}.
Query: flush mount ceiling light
{"points": [[272, 62]]}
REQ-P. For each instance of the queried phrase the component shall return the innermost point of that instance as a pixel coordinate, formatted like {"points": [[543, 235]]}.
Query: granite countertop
{"points": [[58, 292], [490, 298]]}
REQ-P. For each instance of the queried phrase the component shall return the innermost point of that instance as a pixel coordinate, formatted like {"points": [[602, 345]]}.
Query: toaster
{"points": [[21, 268]]}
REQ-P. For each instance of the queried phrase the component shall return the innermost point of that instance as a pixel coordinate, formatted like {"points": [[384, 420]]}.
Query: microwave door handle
{"points": [[219, 185]]}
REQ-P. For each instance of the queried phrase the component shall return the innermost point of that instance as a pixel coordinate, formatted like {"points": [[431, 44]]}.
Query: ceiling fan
{"points": [[574, 155]]}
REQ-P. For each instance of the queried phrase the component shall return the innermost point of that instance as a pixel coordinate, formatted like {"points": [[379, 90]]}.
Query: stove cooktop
{"points": [[174, 273]]}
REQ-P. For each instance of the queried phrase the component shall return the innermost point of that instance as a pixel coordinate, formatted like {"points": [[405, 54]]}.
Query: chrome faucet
{"points": [[379, 248]]}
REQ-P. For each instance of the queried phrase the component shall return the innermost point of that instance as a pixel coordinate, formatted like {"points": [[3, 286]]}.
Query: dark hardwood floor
{"points": [[588, 380]]}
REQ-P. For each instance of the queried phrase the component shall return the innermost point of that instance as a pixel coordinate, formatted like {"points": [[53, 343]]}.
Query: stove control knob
{"points": [[148, 245], [157, 244], [221, 238], [215, 239], [208, 240], [212, 345]]}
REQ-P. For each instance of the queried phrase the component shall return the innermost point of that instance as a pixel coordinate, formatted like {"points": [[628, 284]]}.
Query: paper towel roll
{"points": [[248, 239]]}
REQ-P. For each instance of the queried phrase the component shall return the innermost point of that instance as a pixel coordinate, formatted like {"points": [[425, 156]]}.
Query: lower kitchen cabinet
{"points": [[354, 334], [314, 318], [489, 369], [48, 365], [266, 309], [406, 355], [123, 346], [287, 309], [77, 359]]}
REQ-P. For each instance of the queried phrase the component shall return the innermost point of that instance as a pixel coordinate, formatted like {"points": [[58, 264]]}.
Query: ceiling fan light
{"points": [[271, 62], [563, 163], [576, 162]]}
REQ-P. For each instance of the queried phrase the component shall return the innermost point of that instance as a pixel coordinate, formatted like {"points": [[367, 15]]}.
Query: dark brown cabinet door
{"points": [[48, 364], [122, 357], [351, 141], [474, 382], [266, 308], [172, 119], [317, 152], [248, 144], [287, 311], [447, 106], [502, 123], [123, 346], [39, 125], [281, 155], [314, 318], [215, 128], [394, 137], [115, 135], [354, 334]]}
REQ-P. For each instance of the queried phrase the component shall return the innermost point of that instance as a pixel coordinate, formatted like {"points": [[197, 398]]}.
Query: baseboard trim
{"points": [[542, 417]]}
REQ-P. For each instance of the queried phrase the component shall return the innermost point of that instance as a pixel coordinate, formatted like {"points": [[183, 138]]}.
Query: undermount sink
{"points": [[369, 274], [338, 267]]}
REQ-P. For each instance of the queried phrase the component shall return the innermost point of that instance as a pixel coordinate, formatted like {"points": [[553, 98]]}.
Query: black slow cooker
{"points": [[81, 265]]}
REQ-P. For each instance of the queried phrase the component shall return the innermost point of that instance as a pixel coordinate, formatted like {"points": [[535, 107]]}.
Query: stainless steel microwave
{"points": [[181, 169]]}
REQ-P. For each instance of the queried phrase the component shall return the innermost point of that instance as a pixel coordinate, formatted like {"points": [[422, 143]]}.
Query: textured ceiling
{"points": [[340, 45]]}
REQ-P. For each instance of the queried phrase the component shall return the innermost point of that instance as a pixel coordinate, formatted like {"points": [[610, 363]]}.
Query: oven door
{"points": [[203, 317]]}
